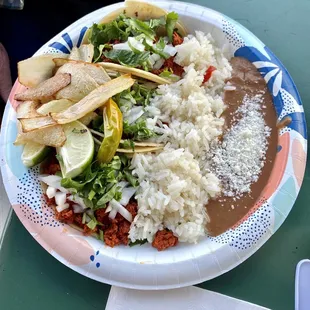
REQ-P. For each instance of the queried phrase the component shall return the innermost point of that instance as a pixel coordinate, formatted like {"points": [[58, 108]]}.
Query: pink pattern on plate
{"points": [[299, 160], [275, 176], [66, 241], [17, 87]]}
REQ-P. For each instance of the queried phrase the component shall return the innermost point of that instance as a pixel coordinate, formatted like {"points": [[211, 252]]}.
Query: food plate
{"points": [[143, 267]]}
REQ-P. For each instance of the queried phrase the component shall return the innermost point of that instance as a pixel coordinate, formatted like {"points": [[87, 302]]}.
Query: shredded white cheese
{"points": [[239, 158]]}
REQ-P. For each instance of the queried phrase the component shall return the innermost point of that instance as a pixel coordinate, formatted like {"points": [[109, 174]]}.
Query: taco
{"points": [[137, 9]]}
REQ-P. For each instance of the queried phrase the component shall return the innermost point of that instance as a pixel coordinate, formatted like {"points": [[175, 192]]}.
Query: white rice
{"points": [[174, 188]]}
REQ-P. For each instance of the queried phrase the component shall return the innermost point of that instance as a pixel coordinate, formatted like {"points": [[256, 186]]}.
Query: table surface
{"points": [[32, 279]]}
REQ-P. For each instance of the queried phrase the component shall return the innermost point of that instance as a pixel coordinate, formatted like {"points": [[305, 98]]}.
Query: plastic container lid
{"points": [[302, 285]]}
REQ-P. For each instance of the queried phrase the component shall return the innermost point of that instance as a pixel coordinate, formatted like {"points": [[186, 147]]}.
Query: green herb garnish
{"points": [[171, 21], [128, 58], [137, 242], [138, 131]]}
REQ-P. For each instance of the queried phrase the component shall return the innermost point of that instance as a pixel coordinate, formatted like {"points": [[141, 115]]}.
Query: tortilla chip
{"points": [[30, 124], [94, 100], [35, 70], [45, 89], [27, 109], [136, 72], [51, 136]]}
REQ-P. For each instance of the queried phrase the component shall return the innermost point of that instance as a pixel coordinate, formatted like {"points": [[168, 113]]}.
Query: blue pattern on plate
{"points": [[279, 83], [60, 47], [92, 258], [67, 38], [82, 32]]}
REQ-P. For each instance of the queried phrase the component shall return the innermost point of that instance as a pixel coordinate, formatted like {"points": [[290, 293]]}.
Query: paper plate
{"points": [[144, 267]]}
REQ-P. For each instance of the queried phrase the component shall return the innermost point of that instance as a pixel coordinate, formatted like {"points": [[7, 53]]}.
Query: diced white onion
{"points": [[135, 45], [77, 208], [60, 198], [121, 210], [134, 114], [122, 184], [112, 214], [151, 61], [50, 192], [158, 64], [78, 200], [155, 57], [127, 193], [122, 46], [62, 207], [169, 49], [108, 209], [52, 180]]}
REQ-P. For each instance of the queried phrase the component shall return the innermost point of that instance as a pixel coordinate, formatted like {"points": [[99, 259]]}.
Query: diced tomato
{"points": [[170, 64], [208, 74], [177, 39], [50, 201], [105, 59]]}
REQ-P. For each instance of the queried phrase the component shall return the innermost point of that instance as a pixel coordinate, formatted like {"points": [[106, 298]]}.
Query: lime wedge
{"points": [[78, 150], [34, 153], [55, 106]]}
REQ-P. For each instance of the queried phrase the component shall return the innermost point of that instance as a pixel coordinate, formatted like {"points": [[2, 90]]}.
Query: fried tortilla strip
{"points": [[45, 89], [52, 136], [94, 70], [136, 72], [60, 105], [81, 83], [88, 118], [75, 53], [94, 100], [84, 53], [141, 149], [27, 109], [30, 124], [54, 106], [146, 144], [35, 70]]}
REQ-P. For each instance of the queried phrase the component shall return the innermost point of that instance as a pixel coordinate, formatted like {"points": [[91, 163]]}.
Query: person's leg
{"points": [[5, 74], [24, 32]]}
